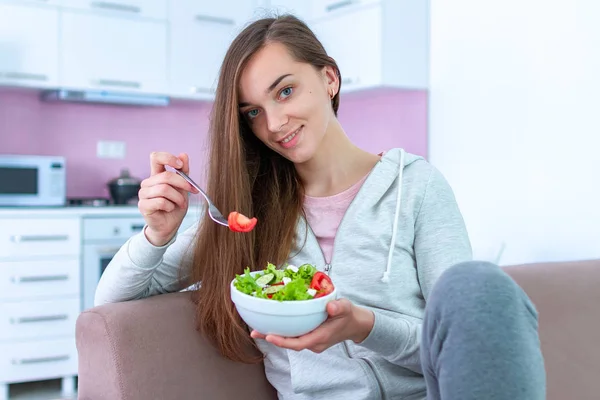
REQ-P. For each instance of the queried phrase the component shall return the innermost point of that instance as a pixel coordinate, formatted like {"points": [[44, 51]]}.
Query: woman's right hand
{"points": [[163, 197]]}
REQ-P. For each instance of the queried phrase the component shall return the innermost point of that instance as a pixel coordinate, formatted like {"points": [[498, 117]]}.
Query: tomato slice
{"points": [[240, 223], [321, 282]]}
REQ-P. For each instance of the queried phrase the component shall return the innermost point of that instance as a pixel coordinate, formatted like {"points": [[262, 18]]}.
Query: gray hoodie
{"points": [[392, 244]]}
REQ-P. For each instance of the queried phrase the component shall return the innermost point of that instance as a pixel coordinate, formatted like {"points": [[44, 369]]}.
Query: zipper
{"points": [[327, 268]]}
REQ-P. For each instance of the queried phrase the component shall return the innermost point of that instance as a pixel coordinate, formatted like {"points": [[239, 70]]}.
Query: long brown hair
{"points": [[246, 176]]}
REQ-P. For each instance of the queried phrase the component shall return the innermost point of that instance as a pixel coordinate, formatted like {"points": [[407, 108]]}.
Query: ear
{"points": [[331, 79]]}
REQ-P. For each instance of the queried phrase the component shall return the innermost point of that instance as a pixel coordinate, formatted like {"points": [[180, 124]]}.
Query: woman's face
{"points": [[287, 103]]}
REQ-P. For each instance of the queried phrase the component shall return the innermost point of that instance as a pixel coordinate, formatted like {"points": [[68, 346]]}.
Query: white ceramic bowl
{"points": [[284, 318]]}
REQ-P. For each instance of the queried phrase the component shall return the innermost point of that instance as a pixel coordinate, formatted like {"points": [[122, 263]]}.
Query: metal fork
{"points": [[213, 211]]}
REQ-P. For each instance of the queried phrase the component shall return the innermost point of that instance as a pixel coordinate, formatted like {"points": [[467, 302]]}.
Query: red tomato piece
{"points": [[321, 282], [240, 223]]}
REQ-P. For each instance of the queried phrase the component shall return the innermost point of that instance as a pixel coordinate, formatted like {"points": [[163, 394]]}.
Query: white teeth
{"points": [[289, 138], [293, 135]]}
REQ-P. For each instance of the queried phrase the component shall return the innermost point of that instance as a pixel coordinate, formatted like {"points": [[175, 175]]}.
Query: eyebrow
{"points": [[269, 89]]}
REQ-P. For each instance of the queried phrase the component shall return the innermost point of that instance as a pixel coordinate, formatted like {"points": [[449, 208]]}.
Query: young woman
{"points": [[417, 318]]}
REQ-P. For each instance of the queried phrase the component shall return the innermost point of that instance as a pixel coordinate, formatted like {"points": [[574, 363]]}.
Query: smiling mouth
{"points": [[290, 136]]}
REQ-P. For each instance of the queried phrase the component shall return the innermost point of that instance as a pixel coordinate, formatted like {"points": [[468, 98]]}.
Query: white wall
{"points": [[515, 123]]}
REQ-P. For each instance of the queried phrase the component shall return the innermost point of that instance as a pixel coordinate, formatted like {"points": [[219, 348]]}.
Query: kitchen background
{"points": [[500, 96], [31, 126]]}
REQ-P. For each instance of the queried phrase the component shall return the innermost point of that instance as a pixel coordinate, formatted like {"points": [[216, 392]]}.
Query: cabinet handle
{"points": [[37, 360], [39, 238], [25, 76], [41, 318], [41, 278], [116, 6], [338, 5], [197, 89], [216, 20], [113, 82], [137, 227]]}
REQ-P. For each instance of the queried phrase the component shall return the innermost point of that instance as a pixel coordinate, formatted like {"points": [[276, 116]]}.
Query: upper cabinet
{"points": [[200, 34], [42, 3], [156, 9], [324, 8], [28, 57], [176, 47], [387, 45], [108, 53], [300, 8]]}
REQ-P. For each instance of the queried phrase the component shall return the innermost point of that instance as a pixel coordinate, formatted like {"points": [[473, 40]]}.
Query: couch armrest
{"points": [[149, 349], [567, 298]]}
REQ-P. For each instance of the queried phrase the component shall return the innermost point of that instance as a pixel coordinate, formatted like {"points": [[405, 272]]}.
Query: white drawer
{"points": [[29, 279], [37, 360], [38, 319], [111, 228], [31, 237]]}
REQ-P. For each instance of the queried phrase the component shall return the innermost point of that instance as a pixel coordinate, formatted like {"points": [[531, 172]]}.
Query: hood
{"points": [[104, 97]]}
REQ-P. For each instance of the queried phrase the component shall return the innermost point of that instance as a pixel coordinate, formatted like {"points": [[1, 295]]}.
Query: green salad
{"points": [[290, 283]]}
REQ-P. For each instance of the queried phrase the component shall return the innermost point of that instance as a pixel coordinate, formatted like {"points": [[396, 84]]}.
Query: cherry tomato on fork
{"points": [[240, 223]]}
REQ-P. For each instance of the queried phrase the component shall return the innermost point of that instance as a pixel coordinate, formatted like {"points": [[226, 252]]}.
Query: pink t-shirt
{"points": [[324, 215]]}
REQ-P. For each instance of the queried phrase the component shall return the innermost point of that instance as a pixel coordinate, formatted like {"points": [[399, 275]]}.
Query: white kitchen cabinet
{"points": [[28, 57], [156, 9], [357, 51], [117, 54], [25, 237], [384, 43], [40, 299], [23, 361], [230, 10], [200, 34], [322, 8], [42, 3], [38, 319], [300, 8]]}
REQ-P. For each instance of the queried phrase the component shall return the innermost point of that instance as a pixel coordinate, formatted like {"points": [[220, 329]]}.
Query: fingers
{"points": [[186, 162], [150, 206], [170, 179], [166, 191], [158, 160], [315, 344], [256, 335], [337, 308]]}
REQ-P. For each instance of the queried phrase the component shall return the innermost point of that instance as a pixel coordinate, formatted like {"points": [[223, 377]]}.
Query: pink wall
{"points": [[374, 121]]}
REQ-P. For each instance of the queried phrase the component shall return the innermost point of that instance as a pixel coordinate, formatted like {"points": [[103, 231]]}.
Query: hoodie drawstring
{"points": [[386, 274]]}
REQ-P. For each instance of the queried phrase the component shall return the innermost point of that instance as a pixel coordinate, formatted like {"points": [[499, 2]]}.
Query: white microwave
{"points": [[31, 180]]}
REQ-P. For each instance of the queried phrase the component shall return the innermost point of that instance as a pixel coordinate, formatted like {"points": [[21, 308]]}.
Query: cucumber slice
{"points": [[273, 289], [264, 280]]}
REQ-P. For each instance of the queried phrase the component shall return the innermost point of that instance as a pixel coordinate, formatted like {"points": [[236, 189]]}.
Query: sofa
{"points": [[149, 349]]}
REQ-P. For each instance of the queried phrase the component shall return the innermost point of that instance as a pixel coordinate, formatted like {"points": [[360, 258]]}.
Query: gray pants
{"points": [[480, 338]]}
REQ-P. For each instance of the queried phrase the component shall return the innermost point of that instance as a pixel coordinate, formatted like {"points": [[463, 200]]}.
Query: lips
{"points": [[290, 136], [291, 140]]}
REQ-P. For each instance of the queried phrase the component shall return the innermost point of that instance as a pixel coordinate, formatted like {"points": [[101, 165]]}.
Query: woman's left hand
{"points": [[345, 322]]}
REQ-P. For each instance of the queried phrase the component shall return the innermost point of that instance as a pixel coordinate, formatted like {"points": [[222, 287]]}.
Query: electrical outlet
{"points": [[110, 149]]}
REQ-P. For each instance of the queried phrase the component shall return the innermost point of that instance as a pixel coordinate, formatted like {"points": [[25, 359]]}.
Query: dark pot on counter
{"points": [[124, 188]]}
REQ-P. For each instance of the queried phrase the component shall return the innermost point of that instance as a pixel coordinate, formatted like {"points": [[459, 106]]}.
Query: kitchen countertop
{"points": [[79, 211]]}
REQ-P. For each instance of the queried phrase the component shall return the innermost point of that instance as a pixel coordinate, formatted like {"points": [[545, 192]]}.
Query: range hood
{"points": [[103, 97]]}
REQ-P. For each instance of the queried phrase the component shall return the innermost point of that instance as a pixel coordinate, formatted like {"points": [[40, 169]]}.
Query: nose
{"points": [[276, 119]]}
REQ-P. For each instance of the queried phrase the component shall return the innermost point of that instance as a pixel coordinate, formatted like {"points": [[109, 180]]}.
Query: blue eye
{"points": [[286, 92], [252, 113]]}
